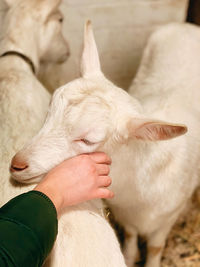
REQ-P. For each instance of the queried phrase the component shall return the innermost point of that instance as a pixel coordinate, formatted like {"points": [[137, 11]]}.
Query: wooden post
{"points": [[194, 12]]}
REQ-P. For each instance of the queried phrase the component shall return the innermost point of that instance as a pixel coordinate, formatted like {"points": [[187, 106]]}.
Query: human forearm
{"points": [[28, 225]]}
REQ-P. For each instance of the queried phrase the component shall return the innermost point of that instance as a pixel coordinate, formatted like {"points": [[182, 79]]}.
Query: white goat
{"points": [[31, 33], [152, 180]]}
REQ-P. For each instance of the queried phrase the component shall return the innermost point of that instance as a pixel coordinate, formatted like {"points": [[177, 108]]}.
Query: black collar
{"points": [[25, 58]]}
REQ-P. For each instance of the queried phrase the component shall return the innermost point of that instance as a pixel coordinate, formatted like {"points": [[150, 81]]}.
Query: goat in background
{"points": [[30, 33]]}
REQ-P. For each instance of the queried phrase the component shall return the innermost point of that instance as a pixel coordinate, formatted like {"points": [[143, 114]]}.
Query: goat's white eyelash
{"points": [[85, 141]]}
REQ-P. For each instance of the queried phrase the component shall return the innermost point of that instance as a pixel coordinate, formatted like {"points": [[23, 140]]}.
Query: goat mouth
{"points": [[31, 180]]}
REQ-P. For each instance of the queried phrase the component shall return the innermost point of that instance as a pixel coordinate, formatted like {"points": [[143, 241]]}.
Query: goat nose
{"points": [[18, 165]]}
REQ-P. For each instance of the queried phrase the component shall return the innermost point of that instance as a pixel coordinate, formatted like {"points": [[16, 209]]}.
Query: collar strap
{"points": [[25, 58]]}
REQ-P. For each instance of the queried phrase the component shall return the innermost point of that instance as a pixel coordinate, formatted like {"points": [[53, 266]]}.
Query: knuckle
{"points": [[109, 181], [84, 157], [107, 169], [104, 157], [92, 168], [104, 193], [100, 195], [107, 158], [88, 164], [111, 195]]}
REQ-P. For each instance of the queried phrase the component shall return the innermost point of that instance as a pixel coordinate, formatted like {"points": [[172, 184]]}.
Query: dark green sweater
{"points": [[28, 229]]}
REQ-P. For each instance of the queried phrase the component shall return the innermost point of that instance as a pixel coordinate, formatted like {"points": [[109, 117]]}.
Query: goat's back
{"points": [[23, 106]]}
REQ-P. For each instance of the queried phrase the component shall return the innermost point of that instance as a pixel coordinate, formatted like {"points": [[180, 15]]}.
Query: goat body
{"points": [[153, 177], [154, 180]]}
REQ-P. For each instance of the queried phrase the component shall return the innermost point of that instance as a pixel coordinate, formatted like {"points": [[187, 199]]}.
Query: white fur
{"points": [[23, 106], [23, 99], [152, 180]]}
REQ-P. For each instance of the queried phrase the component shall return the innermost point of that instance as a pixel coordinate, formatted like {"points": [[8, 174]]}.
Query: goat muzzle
{"points": [[18, 165]]}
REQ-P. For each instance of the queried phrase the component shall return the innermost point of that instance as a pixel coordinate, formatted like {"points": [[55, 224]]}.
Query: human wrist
{"points": [[52, 194]]}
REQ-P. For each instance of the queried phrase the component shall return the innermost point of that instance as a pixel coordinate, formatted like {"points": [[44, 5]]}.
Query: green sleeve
{"points": [[28, 229]]}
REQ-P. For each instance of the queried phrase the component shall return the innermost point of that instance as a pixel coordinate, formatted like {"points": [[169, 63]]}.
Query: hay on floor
{"points": [[183, 244]]}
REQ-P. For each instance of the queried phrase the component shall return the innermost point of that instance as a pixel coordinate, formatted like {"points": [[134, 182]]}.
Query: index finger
{"points": [[100, 157]]}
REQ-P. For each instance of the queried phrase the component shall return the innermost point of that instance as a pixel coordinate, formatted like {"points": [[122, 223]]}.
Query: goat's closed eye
{"points": [[85, 141]]}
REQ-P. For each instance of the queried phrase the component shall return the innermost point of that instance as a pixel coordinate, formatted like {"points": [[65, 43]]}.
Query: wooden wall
{"points": [[121, 29]]}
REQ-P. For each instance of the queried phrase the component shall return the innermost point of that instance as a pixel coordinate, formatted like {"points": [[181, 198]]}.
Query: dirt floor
{"points": [[183, 244]]}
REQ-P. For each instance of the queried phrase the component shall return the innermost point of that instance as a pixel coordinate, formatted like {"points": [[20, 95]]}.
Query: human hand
{"points": [[78, 179]]}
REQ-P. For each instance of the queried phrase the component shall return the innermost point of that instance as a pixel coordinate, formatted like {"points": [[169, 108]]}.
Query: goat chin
{"points": [[32, 180]]}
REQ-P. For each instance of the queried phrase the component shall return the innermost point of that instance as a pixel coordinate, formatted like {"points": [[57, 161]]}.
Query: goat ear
{"points": [[90, 64], [151, 130]]}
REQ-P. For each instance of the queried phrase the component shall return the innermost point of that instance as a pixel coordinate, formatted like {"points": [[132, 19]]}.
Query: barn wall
{"points": [[121, 29]]}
